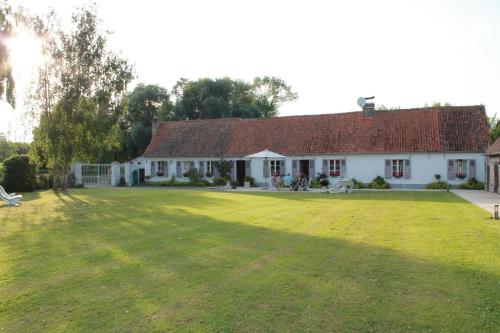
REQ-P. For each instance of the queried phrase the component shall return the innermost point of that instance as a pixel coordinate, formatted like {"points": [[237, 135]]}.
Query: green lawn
{"points": [[155, 260]]}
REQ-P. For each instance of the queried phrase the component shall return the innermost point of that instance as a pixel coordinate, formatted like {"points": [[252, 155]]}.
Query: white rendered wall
{"points": [[363, 167]]}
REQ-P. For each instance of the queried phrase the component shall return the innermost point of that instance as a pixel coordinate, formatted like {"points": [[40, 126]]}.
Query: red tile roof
{"points": [[494, 149], [439, 129]]}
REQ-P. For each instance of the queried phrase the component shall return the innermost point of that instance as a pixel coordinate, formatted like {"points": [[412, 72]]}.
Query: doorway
{"points": [[240, 172], [142, 177], [304, 167]]}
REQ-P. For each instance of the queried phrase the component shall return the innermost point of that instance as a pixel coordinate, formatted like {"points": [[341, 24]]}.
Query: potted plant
{"points": [[397, 174], [247, 182]]}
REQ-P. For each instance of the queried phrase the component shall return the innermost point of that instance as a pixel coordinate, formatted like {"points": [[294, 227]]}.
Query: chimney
{"points": [[154, 126], [368, 105]]}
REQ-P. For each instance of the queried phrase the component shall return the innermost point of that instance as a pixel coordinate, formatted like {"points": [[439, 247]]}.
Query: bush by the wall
{"points": [[357, 184], [219, 181], [251, 180], [1, 174], [315, 184], [19, 174], [472, 184], [437, 185], [379, 183]]}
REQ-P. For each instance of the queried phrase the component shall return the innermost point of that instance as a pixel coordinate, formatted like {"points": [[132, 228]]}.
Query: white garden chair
{"points": [[10, 199]]}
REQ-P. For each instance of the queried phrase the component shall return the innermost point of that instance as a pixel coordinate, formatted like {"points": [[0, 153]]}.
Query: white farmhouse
{"points": [[406, 147]]}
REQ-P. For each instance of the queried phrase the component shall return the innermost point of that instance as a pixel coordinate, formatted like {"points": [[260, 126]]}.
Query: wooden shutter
{"points": [[247, 168], [312, 173], [265, 169], [295, 167], [201, 168], [282, 167], [191, 165], [407, 170], [178, 171], [165, 168], [472, 169], [153, 169], [388, 169], [342, 169], [464, 167], [325, 167], [451, 169]]}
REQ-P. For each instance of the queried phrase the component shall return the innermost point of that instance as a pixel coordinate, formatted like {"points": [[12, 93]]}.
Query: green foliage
{"points": [[1, 174], [494, 126], [219, 181], [78, 95], [19, 174], [173, 182], [378, 183], [6, 78], [357, 184], [144, 105], [224, 167], [315, 184], [271, 93], [234, 184], [251, 180], [472, 184], [225, 97], [10, 148], [437, 185], [193, 175]]}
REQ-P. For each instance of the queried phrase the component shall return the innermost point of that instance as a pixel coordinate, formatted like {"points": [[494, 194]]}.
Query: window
{"points": [[398, 168], [186, 166], [334, 168], [461, 168], [160, 169], [275, 167], [210, 169]]}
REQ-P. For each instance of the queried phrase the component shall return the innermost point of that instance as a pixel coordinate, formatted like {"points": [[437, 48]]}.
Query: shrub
{"points": [[251, 180], [122, 181], [357, 184], [472, 184], [44, 181], [437, 185], [234, 184], [315, 184], [1, 174], [379, 183], [193, 175], [19, 174], [224, 168], [219, 181]]}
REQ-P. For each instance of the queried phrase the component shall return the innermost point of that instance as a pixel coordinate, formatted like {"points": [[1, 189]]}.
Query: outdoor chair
{"points": [[10, 199]]}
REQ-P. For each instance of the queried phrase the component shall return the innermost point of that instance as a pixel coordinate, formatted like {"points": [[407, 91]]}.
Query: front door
{"points": [[304, 167], [142, 177], [240, 172], [495, 178]]}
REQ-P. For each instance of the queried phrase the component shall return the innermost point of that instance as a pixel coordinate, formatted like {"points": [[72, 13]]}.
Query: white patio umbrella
{"points": [[266, 154]]}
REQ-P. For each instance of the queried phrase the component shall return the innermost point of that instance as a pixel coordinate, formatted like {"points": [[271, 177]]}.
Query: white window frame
{"points": [[186, 166], [459, 168], [275, 166], [210, 168], [334, 166], [160, 166], [398, 166]]}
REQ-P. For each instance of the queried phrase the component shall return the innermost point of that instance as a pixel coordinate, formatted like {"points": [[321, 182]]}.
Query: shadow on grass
{"points": [[126, 267]]}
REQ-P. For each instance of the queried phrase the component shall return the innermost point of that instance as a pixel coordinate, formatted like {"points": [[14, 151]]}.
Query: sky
{"points": [[405, 53]]}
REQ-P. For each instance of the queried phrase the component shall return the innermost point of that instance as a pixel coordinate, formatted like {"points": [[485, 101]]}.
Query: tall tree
{"points": [[78, 94], [271, 92], [144, 105]]}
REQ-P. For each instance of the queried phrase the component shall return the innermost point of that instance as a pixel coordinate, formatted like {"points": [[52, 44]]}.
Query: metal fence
{"points": [[96, 174]]}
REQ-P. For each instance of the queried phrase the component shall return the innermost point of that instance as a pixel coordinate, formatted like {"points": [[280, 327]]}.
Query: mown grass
{"points": [[128, 260]]}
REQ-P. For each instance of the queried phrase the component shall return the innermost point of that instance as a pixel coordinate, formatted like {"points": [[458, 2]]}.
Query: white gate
{"points": [[96, 174]]}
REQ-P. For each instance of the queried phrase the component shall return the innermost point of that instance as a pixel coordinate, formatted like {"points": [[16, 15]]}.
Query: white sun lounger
{"points": [[10, 199]]}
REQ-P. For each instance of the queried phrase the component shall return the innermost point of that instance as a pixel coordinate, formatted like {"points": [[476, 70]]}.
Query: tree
{"points": [[19, 174], [6, 31], [271, 93], [494, 126], [78, 94], [144, 105], [9, 148]]}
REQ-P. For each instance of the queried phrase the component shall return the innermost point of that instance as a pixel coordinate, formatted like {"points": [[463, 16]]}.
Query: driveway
{"points": [[481, 198]]}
